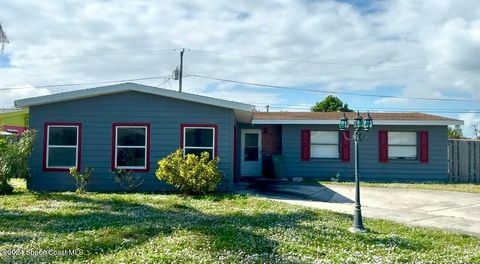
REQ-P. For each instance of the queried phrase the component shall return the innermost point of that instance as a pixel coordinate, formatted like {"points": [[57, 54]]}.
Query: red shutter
{"points": [[424, 146], [345, 145], [383, 146], [305, 150]]}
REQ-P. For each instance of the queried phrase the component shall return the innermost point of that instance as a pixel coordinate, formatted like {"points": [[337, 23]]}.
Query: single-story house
{"points": [[13, 121], [132, 126]]}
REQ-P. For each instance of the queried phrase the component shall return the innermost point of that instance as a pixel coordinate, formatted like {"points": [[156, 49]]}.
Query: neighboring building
{"points": [[132, 126], [13, 121]]}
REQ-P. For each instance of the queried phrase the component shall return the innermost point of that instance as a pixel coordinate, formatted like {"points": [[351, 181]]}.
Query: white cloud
{"points": [[471, 120], [20, 92], [393, 101], [438, 43], [302, 107]]}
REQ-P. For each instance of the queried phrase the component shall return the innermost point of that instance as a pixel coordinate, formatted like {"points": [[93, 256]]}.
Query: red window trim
{"points": [[383, 146], [79, 148], [345, 146], [305, 144], [114, 136], [215, 127], [234, 151], [423, 135]]}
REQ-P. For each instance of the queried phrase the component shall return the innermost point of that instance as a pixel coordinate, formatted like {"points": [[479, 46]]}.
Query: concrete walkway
{"points": [[453, 211]]}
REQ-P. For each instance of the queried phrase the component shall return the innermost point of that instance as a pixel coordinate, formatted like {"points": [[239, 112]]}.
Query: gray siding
{"points": [[370, 167], [97, 114]]}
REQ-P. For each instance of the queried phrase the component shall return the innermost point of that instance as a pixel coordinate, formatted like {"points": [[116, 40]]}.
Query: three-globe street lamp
{"points": [[359, 124]]}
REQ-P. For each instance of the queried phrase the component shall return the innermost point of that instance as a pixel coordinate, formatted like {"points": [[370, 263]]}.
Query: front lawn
{"points": [[155, 228], [452, 187]]}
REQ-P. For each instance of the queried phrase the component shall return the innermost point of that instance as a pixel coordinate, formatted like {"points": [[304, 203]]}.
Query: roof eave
{"points": [[87, 93], [376, 122]]}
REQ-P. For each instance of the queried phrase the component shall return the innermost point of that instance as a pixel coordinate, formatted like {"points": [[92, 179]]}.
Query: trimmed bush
{"points": [[192, 174]]}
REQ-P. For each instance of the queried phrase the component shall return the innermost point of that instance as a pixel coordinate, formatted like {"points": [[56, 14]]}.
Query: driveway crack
{"points": [[426, 218], [455, 207]]}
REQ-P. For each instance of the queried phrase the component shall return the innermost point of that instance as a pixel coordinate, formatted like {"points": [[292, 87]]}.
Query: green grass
{"points": [[155, 228], [453, 187]]}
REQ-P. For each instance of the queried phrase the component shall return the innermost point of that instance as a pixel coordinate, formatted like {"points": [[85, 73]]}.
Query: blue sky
{"points": [[4, 61], [398, 47], [302, 101]]}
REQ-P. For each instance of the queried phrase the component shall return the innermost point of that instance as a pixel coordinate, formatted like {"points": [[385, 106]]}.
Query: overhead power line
{"points": [[94, 54], [302, 106], [84, 83], [291, 60], [335, 63], [334, 92], [400, 110], [453, 111], [167, 79]]}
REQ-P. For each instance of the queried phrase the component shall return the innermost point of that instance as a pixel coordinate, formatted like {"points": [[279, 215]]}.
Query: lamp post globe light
{"points": [[359, 125]]}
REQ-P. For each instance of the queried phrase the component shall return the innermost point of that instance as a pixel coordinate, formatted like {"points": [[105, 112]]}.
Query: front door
{"points": [[251, 156]]}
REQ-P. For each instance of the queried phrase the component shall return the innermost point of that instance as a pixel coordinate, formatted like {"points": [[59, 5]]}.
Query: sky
{"points": [[402, 48]]}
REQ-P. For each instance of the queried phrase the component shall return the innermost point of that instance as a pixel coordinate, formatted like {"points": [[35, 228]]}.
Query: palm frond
{"points": [[3, 39]]}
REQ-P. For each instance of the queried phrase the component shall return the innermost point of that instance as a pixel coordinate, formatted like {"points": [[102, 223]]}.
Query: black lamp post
{"points": [[359, 124]]}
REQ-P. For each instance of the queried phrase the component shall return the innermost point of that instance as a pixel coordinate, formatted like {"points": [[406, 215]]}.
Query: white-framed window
{"points": [[324, 144], [62, 149], [131, 148], [402, 145], [197, 139]]}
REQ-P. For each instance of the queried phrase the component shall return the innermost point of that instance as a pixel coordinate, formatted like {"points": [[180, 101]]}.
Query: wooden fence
{"points": [[464, 160]]}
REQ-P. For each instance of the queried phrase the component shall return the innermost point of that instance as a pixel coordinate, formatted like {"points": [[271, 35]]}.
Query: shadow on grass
{"points": [[297, 191], [398, 242], [119, 224], [99, 226]]}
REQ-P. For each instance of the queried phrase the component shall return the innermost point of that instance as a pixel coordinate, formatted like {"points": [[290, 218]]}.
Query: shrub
{"points": [[6, 188], [126, 180], [192, 174], [81, 178], [336, 178], [14, 154]]}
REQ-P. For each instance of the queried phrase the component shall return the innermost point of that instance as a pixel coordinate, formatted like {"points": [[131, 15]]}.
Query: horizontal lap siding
{"points": [[97, 115], [370, 167], [315, 168]]}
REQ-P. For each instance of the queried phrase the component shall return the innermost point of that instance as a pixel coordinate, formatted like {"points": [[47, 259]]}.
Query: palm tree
{"points": [[3, 39]]}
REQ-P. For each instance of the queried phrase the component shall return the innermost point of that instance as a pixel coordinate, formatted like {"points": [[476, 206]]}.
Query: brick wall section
{"points": [[272, 139], [271, 144]]}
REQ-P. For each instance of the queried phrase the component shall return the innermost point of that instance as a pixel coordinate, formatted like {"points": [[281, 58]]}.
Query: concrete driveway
{"points": [[453, 211]]}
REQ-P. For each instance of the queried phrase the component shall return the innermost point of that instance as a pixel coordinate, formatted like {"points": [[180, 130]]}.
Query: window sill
{"points": [[58, 169], [324, 159], [403, 160], [133, 169]]}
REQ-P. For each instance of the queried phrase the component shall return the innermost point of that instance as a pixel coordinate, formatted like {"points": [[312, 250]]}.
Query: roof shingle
{"points": [[350, 115]]}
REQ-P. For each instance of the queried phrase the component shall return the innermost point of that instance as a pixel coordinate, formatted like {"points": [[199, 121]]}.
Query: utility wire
{"points": [[372, 109], [336, 63], [85, 83], [334, 92], [379, 110], [94, 55], [167, 79], [306, 107], [291, 60], [297, 106]]}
